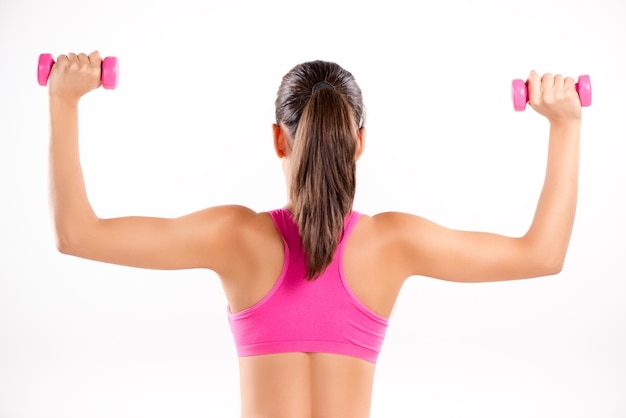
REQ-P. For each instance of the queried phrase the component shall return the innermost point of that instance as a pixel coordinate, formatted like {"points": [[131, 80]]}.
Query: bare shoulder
{"points": [[229, 213], [416, 245], [394, 228], [391, 222], [386, 230], [238, 231], [234, 220]]}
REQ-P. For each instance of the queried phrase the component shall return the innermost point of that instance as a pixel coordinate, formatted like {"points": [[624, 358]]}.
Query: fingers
{"points": [[558, 84], [82, 61], [548, 88], [570, 83], [569, 86], [564, 87], [547, 81], [546, 92], [63, 61], [75, 74], [62, 58], [95, 58], [534, 87], [553, 96]]}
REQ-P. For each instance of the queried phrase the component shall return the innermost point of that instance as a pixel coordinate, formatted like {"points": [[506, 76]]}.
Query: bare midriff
{"points": [[305, 385]]}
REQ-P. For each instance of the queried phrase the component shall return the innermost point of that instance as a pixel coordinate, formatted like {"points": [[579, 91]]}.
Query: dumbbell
{"points": [[110, 71], [519, 91]]}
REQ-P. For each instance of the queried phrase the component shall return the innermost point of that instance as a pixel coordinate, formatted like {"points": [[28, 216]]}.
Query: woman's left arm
{"points": [[424, 248]]}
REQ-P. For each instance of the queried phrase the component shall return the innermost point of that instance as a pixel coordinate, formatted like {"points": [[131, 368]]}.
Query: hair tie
{"points": [[320, 85]]}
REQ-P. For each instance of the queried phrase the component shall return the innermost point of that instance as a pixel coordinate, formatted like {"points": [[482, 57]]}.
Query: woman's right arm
{"points": [[206, 239]]}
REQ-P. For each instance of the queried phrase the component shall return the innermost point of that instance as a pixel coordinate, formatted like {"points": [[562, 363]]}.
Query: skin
{"points": [[245, 250]]}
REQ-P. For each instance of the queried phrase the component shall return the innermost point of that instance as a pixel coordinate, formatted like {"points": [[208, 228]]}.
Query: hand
{"points": [[73, 75], [554, 97]]}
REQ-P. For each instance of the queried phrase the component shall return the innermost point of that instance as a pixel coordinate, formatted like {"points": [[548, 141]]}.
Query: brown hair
{"points": [[321, 106]]}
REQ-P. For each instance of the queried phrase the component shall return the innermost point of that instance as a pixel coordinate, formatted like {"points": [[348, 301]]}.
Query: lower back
{"points": [[305, 385]]}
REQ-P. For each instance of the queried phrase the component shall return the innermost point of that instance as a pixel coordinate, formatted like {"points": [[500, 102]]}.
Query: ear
{"points": [[280, 142], [361, 145]]}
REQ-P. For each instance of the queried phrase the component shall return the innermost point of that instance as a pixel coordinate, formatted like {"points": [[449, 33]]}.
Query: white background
{"points": [[189, 127]]}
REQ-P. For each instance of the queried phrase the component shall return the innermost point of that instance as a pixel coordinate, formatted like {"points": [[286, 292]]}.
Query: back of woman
{"points": [[309, 348], [310, 286]]}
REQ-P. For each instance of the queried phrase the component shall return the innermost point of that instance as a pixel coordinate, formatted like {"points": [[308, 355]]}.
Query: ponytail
{"points": [[320, 103], [323, 179]]}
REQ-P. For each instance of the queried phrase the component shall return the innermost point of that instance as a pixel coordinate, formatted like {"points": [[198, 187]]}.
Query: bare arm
{"points": [[425, 248], [203, 239]]}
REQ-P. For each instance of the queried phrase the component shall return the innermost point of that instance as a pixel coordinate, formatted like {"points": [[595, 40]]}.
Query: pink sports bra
{"points": [[320, 316]]}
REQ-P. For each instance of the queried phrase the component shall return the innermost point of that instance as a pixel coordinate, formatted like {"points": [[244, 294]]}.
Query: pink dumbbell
{"points": [[519, 92], [110, 72]]}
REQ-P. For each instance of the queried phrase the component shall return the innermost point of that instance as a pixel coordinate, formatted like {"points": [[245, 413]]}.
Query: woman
{"points": [[310, 286]]}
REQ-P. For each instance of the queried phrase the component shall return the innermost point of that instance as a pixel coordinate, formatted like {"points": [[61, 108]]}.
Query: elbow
{"points": [[550, 265], [555, 267], [72, 235], [68, 241], [64, 244], [544, 258]]}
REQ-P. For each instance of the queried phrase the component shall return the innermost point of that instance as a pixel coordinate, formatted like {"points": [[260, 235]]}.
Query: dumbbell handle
{"points": [[519, 92], [109, 72]]}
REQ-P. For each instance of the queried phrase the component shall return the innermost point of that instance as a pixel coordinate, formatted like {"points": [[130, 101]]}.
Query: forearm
{"points": [[70, 207], [550, 231]]}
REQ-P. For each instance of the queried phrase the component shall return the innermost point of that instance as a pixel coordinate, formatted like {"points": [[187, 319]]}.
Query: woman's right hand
{"points": [[73, 75], [554, 97]]}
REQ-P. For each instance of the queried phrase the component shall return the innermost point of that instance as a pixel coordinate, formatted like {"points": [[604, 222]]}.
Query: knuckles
{"points": [[554, 96], [77, 63]]}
